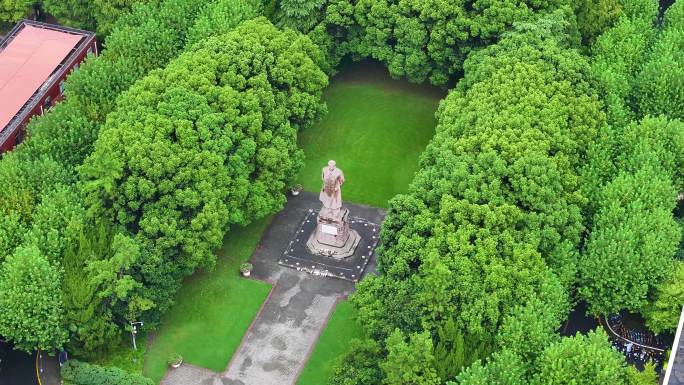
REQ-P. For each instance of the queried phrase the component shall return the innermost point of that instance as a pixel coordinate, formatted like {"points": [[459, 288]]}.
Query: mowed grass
{"points": [[334, 342], [212, 310], [376, 128]]}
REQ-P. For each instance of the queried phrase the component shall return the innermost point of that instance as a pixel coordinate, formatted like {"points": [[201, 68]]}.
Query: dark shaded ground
{"points": [[49, 371], [578, 322], [16, 368]]}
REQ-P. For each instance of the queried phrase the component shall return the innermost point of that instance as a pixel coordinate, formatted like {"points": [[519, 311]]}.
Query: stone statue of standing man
{"points": [[333, 236], [331, 192]]}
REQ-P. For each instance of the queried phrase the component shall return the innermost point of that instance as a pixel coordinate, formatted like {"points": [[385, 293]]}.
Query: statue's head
{"points": [[331, 164]]}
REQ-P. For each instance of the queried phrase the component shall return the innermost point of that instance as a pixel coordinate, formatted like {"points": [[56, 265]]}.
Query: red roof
{"points": [[27, 62]]}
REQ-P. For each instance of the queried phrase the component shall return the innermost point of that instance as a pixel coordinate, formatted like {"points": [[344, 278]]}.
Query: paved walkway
{"points": [[278, 344]]}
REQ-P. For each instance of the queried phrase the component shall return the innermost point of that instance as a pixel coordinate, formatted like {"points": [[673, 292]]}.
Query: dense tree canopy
{"points": [[488, 235], [633, 173], [14, 10], [30, 301], [417, 39], [587, 360], [41, 207], [206, 142]]}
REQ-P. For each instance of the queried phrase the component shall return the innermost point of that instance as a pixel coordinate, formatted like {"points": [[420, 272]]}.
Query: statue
{"points": [[333, 237], [331, 192]]}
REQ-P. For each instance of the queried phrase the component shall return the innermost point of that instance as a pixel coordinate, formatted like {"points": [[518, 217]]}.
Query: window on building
{"points": [[61, 87], [47, 104]]}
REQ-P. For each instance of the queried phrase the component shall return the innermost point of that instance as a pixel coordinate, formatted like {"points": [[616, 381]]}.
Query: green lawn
{"points": [[333, 343], [213, 309], [375, 129]]}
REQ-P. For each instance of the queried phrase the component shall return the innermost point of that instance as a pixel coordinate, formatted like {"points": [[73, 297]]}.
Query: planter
{"points": [[296, 189], [175, 360], [246, 269]]}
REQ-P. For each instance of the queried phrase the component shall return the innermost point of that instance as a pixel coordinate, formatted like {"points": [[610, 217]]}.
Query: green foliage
{"points": [[359, 366], [587, 360], [74, 13], [631, 246], [14, 10], [634, 236], [503, 368], [82, 373], [221, 17], [209, 141], [660, 88], [594, 17], [57, 219], [12, 231], [648, 376], [421, 40], [527, 330], [30, 304], [301, 15], [409, 363], [107, 12], [94, 15], [662, 314], [455, 350], [493, 218], [38, 203]]}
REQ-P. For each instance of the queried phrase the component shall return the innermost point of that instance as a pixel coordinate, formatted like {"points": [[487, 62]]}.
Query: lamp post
{"points": [[134, 330]]}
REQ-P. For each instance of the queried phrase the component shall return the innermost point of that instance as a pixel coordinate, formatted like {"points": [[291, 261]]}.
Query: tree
{"points": [[587, 360], [528, 330], [503, 368], [14, 10], [422, 40], [107, 12], [648, 376], [221, 17], [82, 373], [632, 243], [12, 232], [359, 366], [74, 13], [633, 227], [663, 312], [207, 142], [301, 15], [455, 350], [57, 222], [659, 91], [593, 18], [409, 363], [30, 303]]}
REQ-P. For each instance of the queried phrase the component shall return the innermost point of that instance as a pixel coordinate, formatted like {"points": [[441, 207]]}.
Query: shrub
{"points": [[82, 373]]}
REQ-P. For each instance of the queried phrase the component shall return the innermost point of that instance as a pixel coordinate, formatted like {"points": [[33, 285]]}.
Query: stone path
{"points": [[278, 344]]}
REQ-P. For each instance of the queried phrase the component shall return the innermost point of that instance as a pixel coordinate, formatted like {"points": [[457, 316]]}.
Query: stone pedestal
{"points": [[333, 237]]}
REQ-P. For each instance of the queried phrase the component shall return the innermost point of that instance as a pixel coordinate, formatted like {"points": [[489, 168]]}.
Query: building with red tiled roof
{"points": [[35, 59]]}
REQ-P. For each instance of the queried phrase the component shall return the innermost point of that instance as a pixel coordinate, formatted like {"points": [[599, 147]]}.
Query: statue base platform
{"points": [[306, 253], [332, 237], [346, 250]]}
